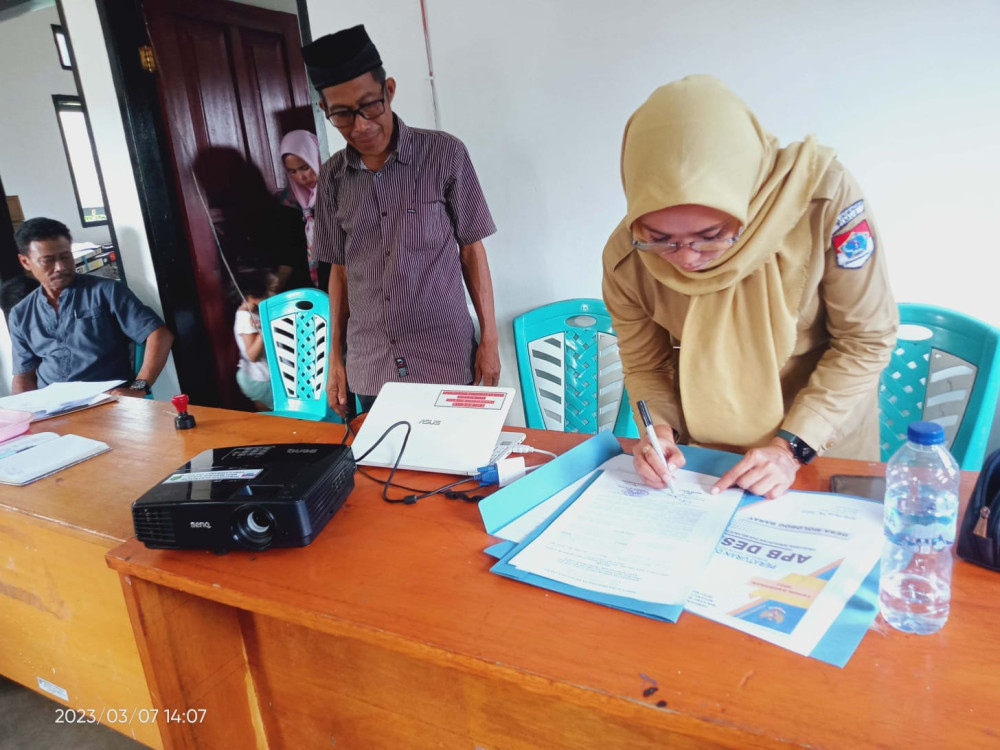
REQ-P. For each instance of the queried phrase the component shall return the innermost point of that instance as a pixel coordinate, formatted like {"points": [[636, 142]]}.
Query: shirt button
{"points": [[383, 213], [387, 298]]}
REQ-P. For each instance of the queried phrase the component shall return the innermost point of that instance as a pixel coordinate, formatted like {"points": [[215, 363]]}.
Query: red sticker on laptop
{"points": [[855, 246], [462, 399]]}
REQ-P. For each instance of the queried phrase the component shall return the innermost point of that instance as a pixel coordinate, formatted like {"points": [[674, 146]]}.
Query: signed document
{"points": [[785, 569], [623, 538]]}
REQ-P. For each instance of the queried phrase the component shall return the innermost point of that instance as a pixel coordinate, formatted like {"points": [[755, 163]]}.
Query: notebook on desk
{"points": [[453, 429], [30, 457]]}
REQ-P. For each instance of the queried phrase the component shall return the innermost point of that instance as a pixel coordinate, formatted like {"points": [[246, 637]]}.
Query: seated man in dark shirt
{"points": [[78, 328]]}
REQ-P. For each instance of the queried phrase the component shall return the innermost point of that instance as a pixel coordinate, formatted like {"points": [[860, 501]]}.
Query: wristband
{"points": [[803, 452]]}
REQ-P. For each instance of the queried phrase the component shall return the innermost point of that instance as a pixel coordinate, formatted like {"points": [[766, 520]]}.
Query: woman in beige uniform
{"points": [[748, 289]]}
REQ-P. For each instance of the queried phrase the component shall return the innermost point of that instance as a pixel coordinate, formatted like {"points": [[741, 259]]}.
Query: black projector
{"points": [[251, 497]]}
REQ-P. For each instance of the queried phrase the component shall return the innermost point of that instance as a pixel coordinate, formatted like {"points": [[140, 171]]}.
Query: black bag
{"points": [[978, 540]]}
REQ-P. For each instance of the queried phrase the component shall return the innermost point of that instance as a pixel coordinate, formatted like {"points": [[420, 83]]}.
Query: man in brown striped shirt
{"points": [[401, 217]]}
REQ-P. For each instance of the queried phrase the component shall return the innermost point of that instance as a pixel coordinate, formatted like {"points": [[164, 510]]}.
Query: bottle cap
{"points": [[925, 433]]}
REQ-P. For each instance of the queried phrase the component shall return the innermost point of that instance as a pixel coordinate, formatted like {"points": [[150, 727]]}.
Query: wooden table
{"points": [[62, 615], [389, 632]]}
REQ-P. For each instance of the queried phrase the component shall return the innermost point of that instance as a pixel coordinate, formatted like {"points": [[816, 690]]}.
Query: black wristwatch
{"points": [[803, 452], [140, 385]]}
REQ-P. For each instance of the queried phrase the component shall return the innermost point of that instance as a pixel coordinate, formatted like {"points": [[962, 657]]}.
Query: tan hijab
{"points": [[695, 142]]}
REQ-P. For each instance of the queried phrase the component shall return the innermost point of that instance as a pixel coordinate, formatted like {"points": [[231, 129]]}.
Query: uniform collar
{"points": [[64, 295]]}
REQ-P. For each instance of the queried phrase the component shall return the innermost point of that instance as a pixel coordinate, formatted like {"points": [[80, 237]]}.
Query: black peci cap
{"points": [[340, 57]]}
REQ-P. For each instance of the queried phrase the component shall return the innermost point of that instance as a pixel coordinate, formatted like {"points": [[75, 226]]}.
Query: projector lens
{"points": [[254, 528], [258, 522]]}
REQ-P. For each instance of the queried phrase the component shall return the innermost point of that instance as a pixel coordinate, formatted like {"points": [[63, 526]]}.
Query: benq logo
{"points": [[302, 450], [430, 421], [200, 525]]}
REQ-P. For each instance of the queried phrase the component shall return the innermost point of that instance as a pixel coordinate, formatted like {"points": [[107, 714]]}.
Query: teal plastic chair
{"points": [[570, 371], [139, 354], [295, 326], [945, 369]]}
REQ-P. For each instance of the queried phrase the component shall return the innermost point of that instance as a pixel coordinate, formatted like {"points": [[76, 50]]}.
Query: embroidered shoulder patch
{"points": [[849, 214], [854, 247]]}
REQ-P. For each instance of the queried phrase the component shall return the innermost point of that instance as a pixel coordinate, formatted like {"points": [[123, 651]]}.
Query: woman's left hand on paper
{"points": [[768, 471]]}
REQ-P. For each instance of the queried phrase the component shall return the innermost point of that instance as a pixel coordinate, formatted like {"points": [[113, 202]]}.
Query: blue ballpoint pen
{"points": [[654, 441]]}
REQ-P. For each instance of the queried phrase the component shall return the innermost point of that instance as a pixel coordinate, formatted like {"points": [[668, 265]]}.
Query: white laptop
{"points": [[453, 429]]}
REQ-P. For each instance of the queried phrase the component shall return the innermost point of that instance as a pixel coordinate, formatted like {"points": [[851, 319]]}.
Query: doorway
{"points": [[230, 76]]}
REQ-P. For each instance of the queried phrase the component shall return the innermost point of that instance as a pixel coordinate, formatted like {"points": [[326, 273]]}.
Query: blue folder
{"points": [[559, 473], [501, 508]]}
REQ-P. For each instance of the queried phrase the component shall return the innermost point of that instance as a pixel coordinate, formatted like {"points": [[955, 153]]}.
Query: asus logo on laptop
{"points": [[430, 421]]}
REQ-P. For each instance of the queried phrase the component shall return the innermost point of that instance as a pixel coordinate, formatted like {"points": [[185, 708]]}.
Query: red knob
{"points": [[180, 402]]}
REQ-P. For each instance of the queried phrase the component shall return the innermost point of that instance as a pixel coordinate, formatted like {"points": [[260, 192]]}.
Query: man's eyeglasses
{"points": [[344, 118], [698, 246]]}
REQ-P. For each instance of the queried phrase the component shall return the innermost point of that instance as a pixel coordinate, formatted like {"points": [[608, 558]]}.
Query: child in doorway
{"points": [[253, 376]]}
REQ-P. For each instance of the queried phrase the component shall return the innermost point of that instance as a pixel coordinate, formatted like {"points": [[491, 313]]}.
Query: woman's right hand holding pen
{"points": [[652, 466]]}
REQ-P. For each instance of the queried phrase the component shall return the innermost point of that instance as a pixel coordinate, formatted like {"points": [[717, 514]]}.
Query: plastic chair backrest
{"points": [[139, 354], [570, 371], [295, 326], [945, 369]]}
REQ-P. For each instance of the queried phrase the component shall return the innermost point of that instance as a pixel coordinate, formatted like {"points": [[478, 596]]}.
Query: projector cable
{"points": [[408, 499]]}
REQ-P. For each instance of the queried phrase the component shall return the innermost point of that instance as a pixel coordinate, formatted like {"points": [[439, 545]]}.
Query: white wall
{"points": [[33, 161], [540, 92]]}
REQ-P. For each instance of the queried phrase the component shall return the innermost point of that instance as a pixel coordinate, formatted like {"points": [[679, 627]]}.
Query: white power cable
{"points": [[528, 449]]}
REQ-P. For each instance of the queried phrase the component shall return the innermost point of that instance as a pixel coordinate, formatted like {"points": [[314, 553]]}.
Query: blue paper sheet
{"points": [[842, 639]]}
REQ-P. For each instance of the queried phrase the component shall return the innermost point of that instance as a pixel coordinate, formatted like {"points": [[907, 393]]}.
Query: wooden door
{"points": [[227, 72]]}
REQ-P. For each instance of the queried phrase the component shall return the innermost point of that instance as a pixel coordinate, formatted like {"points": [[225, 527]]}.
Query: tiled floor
{"points": [[28, 721]]}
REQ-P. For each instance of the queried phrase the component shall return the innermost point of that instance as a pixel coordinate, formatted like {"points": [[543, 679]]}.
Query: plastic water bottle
{"points": [[921, 510]]}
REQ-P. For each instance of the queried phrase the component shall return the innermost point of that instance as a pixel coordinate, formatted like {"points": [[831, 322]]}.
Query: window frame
{"points": [[67, 61], [66, 103]]}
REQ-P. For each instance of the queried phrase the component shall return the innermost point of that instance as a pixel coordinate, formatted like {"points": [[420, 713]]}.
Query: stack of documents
{"points": [[29, 457], [83, 250], [60, 398], [800, 571], [618, 542]]}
